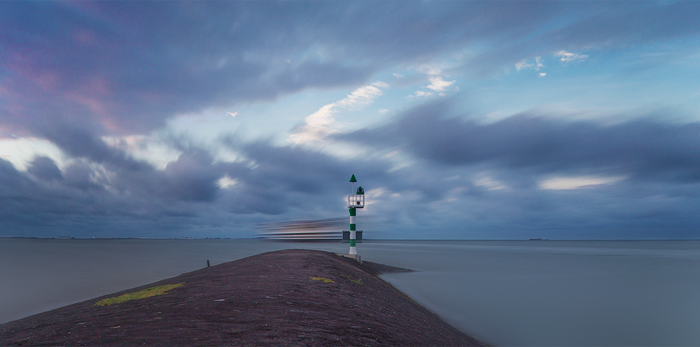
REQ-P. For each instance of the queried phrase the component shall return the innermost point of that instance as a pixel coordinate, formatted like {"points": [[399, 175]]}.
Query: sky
{"points": [[460, 119]]}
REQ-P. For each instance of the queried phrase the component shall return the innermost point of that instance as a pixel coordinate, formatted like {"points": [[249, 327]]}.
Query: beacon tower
{"points": [[355, 201]]}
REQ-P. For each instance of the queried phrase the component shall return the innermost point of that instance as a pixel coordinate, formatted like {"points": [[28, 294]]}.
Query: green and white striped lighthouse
{"points": [[355, 201]]}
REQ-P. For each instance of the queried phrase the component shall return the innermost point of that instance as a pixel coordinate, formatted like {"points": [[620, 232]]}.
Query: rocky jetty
{"points": [[283, 298]]}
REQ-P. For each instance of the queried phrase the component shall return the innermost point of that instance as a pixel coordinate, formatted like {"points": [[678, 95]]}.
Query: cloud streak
{"points": [[438, 84], [321, 123], [567, 56], [640, 148]]}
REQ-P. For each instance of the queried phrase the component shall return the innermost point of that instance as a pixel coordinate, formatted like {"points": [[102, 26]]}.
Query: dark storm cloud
{"points": [[104, 191], [81, 142], [292, 182], [641, 148], [83, 176], [274, 180], [191, 177], [12, 182], [90, 199], [102, 188], [101, 193], [44, 168], [29, 203]]}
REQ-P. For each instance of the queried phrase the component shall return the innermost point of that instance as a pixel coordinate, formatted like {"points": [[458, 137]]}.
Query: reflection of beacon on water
{"points": [[355, 201]]}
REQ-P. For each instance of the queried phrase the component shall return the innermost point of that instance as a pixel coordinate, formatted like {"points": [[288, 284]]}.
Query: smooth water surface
{"points": [[506, 293]]}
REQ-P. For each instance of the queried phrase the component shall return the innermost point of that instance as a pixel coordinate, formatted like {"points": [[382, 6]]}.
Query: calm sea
{"points": [[506, 293]]}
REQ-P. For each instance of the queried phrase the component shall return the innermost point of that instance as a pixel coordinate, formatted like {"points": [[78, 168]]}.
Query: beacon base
{"points": [[351, 256]]}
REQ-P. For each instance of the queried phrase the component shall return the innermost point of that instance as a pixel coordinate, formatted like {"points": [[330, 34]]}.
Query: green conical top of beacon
{"points": [[353, 179]]}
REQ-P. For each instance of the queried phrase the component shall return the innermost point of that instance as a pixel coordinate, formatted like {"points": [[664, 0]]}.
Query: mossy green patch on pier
{"points": [[358, 281], [146, 293]]}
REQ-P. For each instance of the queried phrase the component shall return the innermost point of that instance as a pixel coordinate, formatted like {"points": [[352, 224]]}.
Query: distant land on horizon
{"points": [[313, 241]]}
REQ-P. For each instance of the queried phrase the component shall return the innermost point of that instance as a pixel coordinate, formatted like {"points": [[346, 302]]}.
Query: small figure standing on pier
{"points": [[355, 201]]}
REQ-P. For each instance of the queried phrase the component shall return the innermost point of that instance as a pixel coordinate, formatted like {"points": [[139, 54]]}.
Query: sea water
{"points": [[505, 293]]}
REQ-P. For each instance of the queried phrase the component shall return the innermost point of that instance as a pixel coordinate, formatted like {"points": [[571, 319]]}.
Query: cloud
{"points": [[362, 96], [437, 84], [100, 166], [45, 169], [290, 178], [639, 149], [320, 123], [429, 69], [318, 126], [103, 193], [503, 179], [567, 57], [640, 173], [119, 68], [392, 153], [81, 142], [420, 94], [232, 114], [226, 182], [104, 72], [565, 183], [489, 183], [191, 178], [525, 65]]}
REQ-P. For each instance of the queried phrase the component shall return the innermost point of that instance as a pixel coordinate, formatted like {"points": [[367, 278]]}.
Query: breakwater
{"points": [[289, 297]]}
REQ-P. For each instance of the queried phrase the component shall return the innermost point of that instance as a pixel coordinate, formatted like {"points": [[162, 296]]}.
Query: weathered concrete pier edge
{"points": [[290, 297]]}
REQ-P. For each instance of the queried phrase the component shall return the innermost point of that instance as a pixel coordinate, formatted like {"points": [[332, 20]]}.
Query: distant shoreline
{"points": [[327, 241]]}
